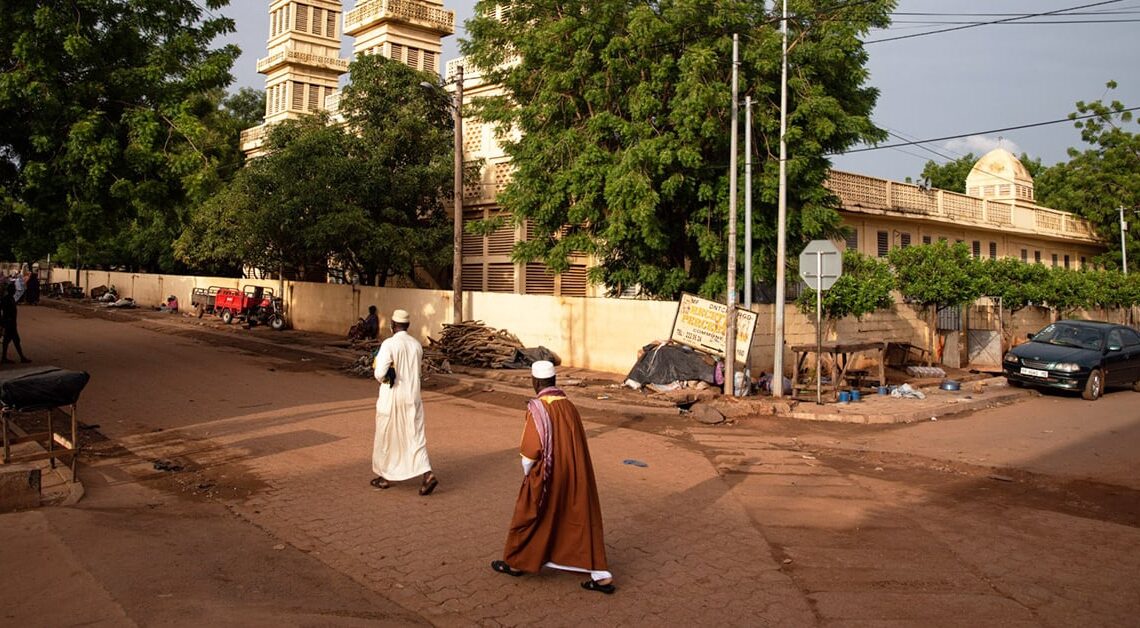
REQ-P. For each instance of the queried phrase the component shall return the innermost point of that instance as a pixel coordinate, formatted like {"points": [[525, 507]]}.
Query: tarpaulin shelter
{"points": [[41, 388], [668, 363]]}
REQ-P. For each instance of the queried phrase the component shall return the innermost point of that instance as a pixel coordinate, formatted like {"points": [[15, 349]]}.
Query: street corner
{"points": [[915, 404]]}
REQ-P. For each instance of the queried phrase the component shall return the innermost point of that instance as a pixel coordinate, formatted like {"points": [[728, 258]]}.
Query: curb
{"points": [[917, 414]]}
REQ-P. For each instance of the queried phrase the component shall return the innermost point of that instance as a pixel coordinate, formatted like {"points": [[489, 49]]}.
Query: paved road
{"points": [[768, 522]]}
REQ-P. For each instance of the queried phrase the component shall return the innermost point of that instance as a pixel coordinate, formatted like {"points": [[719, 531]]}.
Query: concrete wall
{"points": [[593, 333]]}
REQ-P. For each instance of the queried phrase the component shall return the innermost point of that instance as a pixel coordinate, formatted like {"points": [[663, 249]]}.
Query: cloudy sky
{"points": [[963, 82]]}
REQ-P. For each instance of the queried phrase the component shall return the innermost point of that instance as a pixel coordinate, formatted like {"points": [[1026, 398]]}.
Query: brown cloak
{"points": [[567, 527]]}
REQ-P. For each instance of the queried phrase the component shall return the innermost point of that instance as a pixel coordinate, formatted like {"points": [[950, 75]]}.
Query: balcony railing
{"points": [[858, 192], [301, 58], [422, 14]]}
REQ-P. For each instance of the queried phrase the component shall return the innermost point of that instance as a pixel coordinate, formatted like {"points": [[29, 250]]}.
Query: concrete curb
{"points": [[932, 410]]}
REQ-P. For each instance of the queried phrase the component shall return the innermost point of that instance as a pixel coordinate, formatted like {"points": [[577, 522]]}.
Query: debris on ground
{"points": [[905, 391], [471, 343], [707, 414], [433, 362]]}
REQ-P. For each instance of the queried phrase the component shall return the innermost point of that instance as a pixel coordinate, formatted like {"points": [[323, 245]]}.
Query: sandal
{"points": [[379, 482], [594, 585], [430, 482], [502, 567]]}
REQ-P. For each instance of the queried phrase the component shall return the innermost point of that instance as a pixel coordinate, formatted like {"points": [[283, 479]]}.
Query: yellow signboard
{"points": [[700, 324]]}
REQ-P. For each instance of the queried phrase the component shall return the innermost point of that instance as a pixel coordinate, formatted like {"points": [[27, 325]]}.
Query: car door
{"points": [[1130, 362], [1117, 364]]}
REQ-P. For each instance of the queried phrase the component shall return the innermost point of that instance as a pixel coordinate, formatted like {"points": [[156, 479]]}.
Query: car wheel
{"points": [[1094, 386], [227, 316]]}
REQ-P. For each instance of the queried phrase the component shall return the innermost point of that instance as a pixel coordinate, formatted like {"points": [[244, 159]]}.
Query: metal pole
{"points": [[1123, 245], [748, 221], [781, 217], [818, 327], [457, 220], [730, 314], [748, 202]]}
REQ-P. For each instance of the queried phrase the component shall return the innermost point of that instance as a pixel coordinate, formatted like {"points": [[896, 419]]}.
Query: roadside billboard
{"points": [[700, 324]]}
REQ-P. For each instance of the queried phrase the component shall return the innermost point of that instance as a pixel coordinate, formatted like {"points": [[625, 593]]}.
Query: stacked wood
{"points": [[471, 343], [433, 362]]}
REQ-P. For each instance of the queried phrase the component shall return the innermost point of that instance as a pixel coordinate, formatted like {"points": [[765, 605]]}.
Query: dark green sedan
{"points": [[1084, 356]]}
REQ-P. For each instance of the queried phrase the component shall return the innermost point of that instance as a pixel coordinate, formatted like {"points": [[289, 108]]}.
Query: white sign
{"points": [[701, 323], [821, 264]]}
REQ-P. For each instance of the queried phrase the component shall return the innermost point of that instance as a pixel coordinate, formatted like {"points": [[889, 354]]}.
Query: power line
{"points": [[1001, 21], [955, 137]]}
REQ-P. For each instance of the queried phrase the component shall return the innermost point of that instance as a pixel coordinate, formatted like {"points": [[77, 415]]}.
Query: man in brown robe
{"points": [[558, 519]]}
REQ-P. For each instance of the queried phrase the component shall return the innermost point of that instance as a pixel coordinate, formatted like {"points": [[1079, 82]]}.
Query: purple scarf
{"points": [[542, 424]]}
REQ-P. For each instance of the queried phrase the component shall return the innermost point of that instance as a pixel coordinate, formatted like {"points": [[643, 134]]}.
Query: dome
{"points": [[1001, 176]]}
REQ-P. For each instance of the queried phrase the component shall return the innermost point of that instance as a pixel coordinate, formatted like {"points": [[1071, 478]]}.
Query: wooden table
{"points": [[841, 353]]}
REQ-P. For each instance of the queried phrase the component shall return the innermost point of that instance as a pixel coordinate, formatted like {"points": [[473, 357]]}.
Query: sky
{"points": [[967, 82]]}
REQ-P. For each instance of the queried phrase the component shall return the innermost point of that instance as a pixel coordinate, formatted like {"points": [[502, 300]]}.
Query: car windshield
{"points": [[1070, 336]]}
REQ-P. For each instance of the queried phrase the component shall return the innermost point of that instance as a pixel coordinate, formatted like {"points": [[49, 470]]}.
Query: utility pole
{"points": [[748, 202], [457, 222], [781, 216], [1123, 244], [730, 314]]}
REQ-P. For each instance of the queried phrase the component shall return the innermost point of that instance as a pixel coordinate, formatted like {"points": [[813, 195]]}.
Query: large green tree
{"points": [[106, 133], [365, 194], [624, 113], [1096, 182]]}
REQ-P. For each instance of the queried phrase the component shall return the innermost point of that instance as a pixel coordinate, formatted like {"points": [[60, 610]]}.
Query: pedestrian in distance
{"points": [[557, 521], [32, 289], [8, 324], [399, 450]]}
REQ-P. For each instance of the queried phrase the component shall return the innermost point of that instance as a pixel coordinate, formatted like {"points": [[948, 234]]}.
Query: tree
{"points": [[105, 135], [365, 195], [1097, 181], [864, 287], [622, 110], [936, 275], [1017, 283]]}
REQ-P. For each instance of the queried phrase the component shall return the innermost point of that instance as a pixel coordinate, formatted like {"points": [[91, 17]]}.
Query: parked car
{"points": [[1084, 356]]}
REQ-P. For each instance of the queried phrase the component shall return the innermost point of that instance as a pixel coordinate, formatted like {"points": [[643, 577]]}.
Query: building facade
{"points": [[997, 218], [304, 68]]}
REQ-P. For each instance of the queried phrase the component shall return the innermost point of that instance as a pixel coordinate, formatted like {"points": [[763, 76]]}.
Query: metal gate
{"points": [[983, 334]]}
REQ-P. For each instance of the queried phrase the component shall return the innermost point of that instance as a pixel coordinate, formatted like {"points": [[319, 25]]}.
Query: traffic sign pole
{"points": [[818, 326]]}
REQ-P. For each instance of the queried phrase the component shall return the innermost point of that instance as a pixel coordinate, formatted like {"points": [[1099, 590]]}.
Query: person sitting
{"points": [[171, 305], [370, 330]]}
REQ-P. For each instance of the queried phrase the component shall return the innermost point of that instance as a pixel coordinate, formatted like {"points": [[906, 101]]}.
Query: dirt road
{"points": [[227, 482]]}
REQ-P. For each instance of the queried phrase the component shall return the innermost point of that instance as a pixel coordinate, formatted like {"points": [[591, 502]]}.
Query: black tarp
{"points": [[523, 358], [40, 388], [665, 364]]}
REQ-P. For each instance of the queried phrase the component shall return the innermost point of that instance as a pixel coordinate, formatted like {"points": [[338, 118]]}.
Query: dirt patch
{"points": [[961, 483]]}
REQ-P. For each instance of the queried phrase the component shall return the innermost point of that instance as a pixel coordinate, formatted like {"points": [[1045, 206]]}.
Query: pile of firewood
{"points": [[471, 343], [433, 362]]}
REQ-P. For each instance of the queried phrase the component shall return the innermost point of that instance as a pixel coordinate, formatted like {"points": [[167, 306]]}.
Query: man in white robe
{"points": [[399, 451]]}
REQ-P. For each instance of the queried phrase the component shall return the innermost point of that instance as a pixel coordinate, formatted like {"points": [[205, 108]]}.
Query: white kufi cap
{"points": [[400, 316], [543, 369]]}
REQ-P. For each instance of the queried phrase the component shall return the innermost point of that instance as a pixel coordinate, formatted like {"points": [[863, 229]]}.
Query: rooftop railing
{"points": [[858, 192], [423, 14]]}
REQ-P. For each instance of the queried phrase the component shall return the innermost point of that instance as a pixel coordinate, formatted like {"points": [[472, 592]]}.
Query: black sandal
{"points": [[430, 482], [594, 585], [379, 482], [502, 567]]}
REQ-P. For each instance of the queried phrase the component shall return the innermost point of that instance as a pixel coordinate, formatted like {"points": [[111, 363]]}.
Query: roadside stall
{"points": [[41, 389]]}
